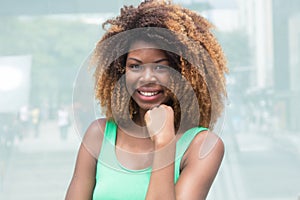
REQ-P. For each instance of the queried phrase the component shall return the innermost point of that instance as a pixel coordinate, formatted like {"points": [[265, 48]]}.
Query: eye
{"points": [[135, 67], [161, 68]]}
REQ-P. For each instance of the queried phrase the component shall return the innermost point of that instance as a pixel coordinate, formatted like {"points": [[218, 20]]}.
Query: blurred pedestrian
{"points": [[63, 122]]}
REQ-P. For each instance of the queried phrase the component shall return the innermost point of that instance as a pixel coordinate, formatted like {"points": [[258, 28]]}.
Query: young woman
{"points": [[160, 80]]}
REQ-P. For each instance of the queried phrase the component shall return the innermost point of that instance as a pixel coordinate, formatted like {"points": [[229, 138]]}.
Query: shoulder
{"points": [[96, 126], [92, 139], [206, 145], [208, 142]]}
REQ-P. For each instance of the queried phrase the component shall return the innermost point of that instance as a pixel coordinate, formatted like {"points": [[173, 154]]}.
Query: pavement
{"points": [[267, 165], [49, 140], [38, 167]]}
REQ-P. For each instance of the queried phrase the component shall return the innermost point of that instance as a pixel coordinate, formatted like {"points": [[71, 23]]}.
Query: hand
{"points": [[160, 125]]}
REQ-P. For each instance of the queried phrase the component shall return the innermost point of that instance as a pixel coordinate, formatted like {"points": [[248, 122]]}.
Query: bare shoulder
{"points": [[96, 126], [92, 139], [199, 166], [208, 142], [205, 146]]}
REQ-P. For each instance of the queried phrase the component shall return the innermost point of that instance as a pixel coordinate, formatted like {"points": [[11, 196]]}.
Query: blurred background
{"points": [[43, 43]]}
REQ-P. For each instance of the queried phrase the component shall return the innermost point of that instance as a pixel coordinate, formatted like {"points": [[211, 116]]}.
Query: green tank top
{"points": [[115, 182]]}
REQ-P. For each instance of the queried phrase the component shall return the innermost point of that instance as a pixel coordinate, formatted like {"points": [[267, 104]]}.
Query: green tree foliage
{"points": [[58, 46]]}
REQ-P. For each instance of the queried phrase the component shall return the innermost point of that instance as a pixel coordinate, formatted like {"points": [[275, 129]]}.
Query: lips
{"points": [[148, 93], [150, 96]]}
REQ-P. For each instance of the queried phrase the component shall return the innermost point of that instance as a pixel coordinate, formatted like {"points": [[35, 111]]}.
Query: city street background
{"points": [[46, 99]]}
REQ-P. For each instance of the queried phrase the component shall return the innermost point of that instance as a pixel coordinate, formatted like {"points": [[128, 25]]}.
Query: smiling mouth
{"points": [[148, 94]]}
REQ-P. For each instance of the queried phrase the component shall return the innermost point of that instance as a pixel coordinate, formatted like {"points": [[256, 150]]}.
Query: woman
{"points": [[160, 80]]}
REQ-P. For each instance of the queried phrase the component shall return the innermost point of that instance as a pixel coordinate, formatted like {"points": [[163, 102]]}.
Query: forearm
{"points": [[161, 184]]}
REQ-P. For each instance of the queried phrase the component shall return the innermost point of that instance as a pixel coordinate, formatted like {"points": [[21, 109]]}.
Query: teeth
{"points": [[148, 94]]}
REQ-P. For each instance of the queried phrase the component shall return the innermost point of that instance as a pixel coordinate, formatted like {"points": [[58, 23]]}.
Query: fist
{"points": [[160, 124]]}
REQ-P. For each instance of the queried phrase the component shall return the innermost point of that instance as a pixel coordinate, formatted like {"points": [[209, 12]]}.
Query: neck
{"points": [[134, 140], [139, 118]]}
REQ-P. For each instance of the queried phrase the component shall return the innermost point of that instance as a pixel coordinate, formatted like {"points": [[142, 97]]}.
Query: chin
{"points": [[145, 106]]}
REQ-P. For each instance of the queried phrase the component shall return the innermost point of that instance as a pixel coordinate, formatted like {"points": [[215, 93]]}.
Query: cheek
{"points": [[165, 79], [130, 83]]}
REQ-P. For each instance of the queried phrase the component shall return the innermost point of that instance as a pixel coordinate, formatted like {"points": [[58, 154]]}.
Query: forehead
{"points": [[140, 44], [142, 48]]}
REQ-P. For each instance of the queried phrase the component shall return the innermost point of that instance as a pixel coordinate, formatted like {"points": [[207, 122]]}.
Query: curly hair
{"points": [[196, 55]]}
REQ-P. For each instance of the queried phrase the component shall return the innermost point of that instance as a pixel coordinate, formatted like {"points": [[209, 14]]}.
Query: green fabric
{"points": [[115, 182]]}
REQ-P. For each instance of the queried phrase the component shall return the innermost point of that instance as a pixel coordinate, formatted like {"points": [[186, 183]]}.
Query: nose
{"points": [[148, 75]]}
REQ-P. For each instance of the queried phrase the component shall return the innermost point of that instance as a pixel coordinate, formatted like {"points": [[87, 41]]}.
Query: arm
{"points": [[198, 169], [83, 180], [161, 184], [162, 133]]}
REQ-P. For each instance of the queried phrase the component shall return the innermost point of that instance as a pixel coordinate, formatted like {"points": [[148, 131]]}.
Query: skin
{"points": [[144, 74], [146, 71]]}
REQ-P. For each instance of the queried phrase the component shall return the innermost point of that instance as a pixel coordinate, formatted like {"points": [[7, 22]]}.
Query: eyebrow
{"points": [[157, 61]]}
